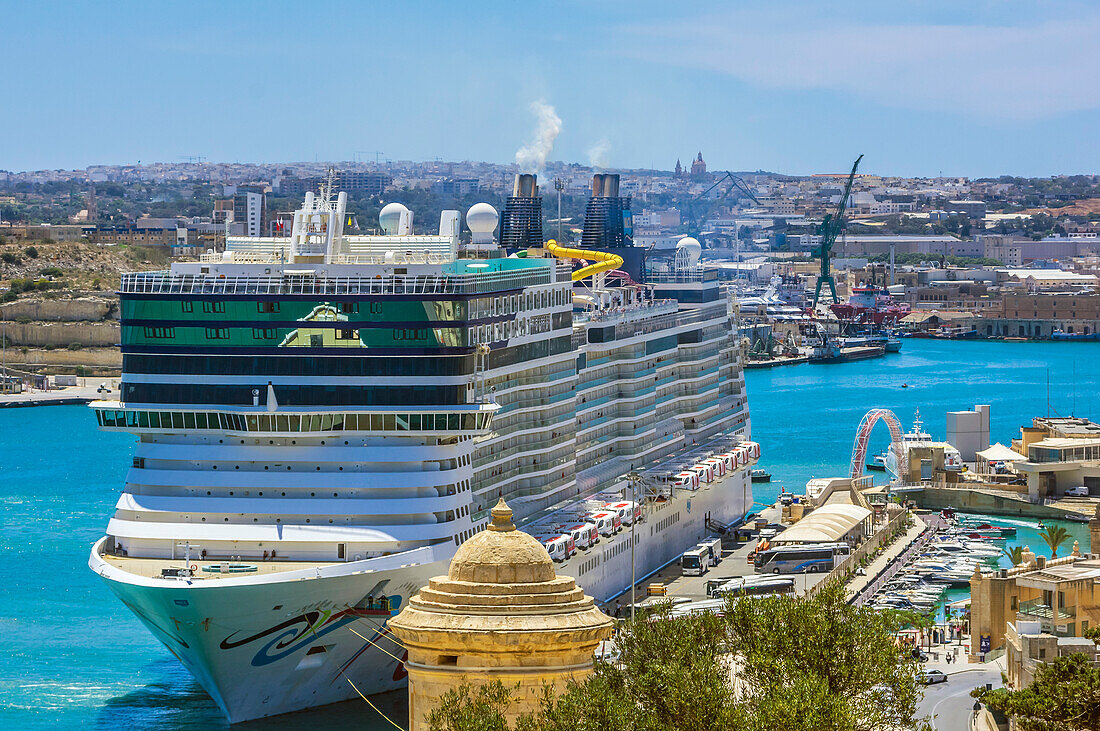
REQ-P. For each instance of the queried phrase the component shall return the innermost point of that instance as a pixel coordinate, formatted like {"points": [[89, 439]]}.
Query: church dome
{"points": [[501, 554]]}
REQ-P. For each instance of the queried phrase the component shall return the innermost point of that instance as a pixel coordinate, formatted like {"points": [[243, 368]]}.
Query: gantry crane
{"points": [[831, 226], [694, 217]]}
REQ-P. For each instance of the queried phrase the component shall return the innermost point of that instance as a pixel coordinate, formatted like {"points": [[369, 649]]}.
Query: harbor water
{"points": [[74, 656]]}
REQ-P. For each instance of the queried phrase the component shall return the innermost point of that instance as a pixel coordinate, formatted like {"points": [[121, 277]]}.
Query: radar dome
{"points": [[482, 218], [389, 218], [691, 248]]}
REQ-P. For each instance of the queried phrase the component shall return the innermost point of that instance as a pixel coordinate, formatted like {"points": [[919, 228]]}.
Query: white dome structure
{"points": [[691, 249], [482, 218], [389, 218]]}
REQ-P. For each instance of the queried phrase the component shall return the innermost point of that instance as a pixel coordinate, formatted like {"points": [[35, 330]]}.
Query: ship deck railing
{"points": [[321, 284]]}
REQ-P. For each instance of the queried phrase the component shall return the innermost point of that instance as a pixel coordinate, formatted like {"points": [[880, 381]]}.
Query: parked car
{"points": [[1079, 491], [931, 677]]}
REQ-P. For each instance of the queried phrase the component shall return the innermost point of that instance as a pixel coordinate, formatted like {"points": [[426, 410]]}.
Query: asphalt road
{"points": [[950, 703]]}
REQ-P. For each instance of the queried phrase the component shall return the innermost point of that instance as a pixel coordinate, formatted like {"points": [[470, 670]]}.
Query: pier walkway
{"points": [[70, 395], [897, 555]]}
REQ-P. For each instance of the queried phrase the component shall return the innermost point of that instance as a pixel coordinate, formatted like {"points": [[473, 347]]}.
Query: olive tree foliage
{"points": [[821, 663], [768, 663], [672, 674], [470, 708]]}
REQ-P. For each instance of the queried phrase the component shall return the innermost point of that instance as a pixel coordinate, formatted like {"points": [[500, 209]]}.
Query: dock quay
{"points": [[779, 361], [998, 502], [58, 397], [871, 562]]}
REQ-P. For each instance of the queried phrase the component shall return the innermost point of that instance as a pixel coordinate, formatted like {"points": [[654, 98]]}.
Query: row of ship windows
{"points": [[292, 422], [285, 365], [270, 333], [512, 328], [346, 308], [452, 489], [510, 304]]}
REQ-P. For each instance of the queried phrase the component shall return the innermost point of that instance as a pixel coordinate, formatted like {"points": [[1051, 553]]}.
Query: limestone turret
{"points": [[500, 613]]}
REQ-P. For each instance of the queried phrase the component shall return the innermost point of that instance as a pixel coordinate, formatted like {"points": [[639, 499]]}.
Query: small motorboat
{"points": [[877, 463], [905, 385]]}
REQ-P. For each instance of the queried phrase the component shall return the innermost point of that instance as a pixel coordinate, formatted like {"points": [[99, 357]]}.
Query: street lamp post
{"points": [[634, 478]]}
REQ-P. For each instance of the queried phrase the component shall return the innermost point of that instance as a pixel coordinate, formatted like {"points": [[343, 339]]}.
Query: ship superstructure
{"points": [[323, 418]]}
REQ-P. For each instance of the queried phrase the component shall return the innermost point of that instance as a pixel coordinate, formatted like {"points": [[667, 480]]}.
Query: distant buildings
{"points": [[355, 183], [250, 212], [698, 168], [456, 187], [975, 210]]}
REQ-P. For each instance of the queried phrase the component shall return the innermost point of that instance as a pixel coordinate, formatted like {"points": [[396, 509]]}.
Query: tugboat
{"points": [[761, 475]]}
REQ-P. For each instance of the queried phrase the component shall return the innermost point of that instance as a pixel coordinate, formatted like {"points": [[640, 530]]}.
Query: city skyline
{"points": [[985, 90]]}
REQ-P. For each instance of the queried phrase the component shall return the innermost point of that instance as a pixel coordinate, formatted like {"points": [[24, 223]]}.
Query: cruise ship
{"points": [[322, 419]]}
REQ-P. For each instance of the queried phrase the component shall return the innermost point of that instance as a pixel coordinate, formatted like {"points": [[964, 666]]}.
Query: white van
{"points": [[705, 472], [695, 562], [607, 522], [713, 547], [558, 546], [686, 480], [628, 511], [717, 465], [585, 535]]}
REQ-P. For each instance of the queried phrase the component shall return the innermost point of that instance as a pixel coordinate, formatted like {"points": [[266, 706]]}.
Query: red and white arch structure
{"points": [[863, 436]]}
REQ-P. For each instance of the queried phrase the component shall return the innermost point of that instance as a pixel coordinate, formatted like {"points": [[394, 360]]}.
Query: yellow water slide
{"points": [[604, 261]]}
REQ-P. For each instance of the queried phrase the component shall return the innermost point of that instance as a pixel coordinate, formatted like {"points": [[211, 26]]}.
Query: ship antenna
{"points": [[327, 187]]}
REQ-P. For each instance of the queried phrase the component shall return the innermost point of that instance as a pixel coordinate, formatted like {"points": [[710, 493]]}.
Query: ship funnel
{"points": [[525, 186], [605, 185]]}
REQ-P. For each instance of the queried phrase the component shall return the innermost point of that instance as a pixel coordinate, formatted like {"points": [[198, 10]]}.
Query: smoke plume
{"points": [[599, 154], [532, 157]]}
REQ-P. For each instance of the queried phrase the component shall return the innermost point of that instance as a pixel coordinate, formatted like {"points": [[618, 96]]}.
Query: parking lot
{"points": [[734, 564]]}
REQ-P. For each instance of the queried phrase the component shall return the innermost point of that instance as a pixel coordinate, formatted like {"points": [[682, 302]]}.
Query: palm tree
{"points": [[1054, 536], [1015, 554]]}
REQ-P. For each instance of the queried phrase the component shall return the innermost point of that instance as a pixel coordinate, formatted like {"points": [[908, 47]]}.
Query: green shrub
{"points": [[31, 252], [50, 272], [9, 258]]}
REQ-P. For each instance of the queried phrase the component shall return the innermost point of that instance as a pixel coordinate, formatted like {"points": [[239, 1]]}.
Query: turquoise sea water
{"points": [[74, 656]]}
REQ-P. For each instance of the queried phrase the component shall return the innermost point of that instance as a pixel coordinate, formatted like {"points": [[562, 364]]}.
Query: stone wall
{"points": [[977, 501], [81, 309], [62, 334], [35, 359]]}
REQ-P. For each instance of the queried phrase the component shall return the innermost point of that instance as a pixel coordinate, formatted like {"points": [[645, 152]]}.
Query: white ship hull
{"points": [[251, 641], [333, 415]]}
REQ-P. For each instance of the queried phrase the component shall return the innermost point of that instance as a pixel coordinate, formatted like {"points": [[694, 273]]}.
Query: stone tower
{"points": [[500, 613]]}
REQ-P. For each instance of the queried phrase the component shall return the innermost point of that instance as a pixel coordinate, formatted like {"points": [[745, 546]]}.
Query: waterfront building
{"points": [[1062, 595], [1062, 453], [1028, 647], [500, 613], [323, 419]]}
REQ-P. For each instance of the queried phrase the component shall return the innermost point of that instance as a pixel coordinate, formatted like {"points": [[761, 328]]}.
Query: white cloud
{"points": [[983, 71]]}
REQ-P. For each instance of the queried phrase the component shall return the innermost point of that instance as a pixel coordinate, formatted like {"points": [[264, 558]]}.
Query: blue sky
{"points": [[978, 88]]}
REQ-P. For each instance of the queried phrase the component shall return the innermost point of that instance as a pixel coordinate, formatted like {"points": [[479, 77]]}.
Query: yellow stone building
{"points": [[500, 613], [1061, 596]]}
